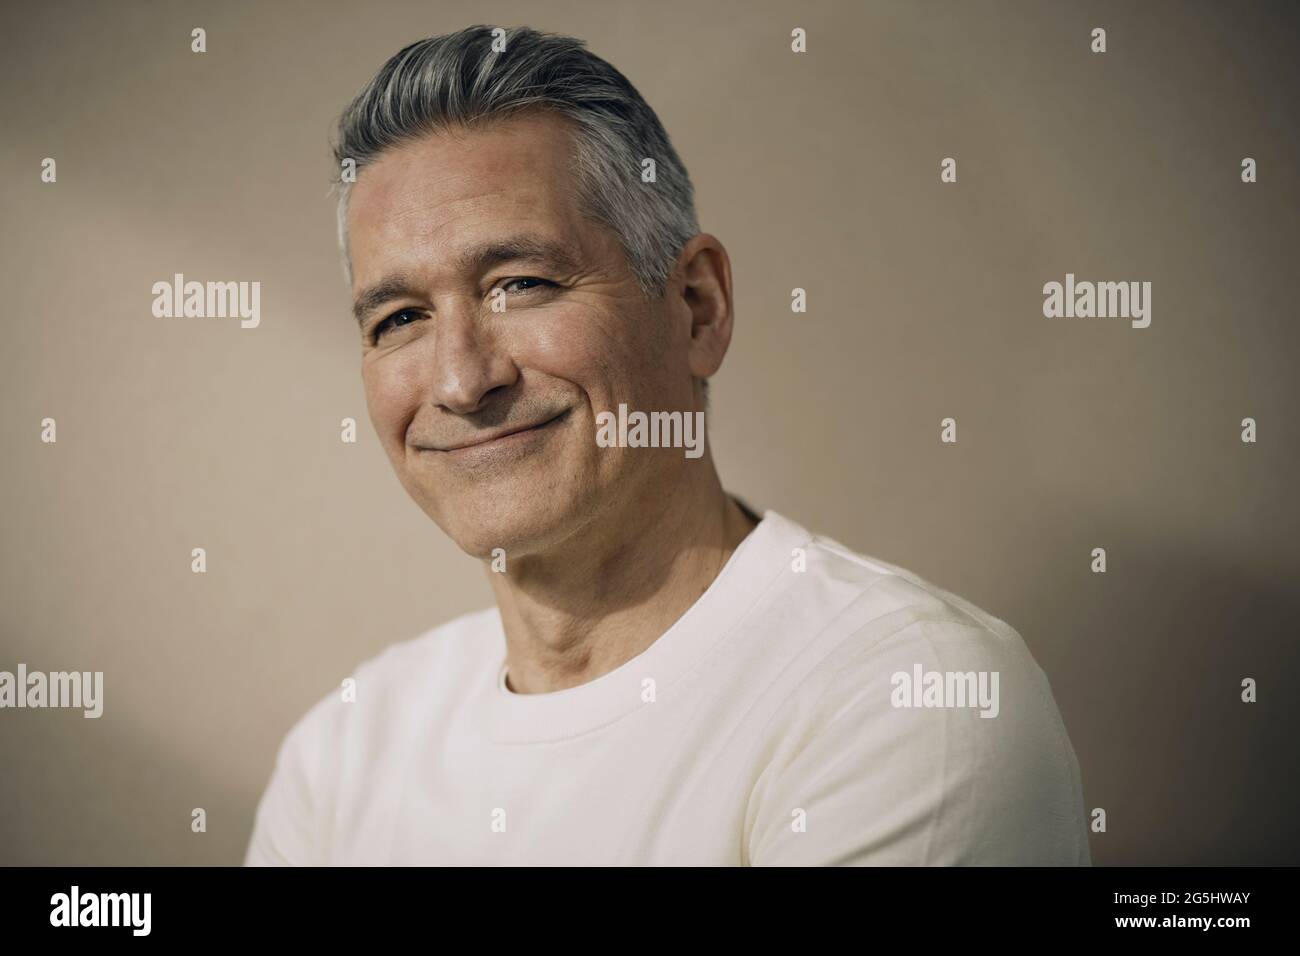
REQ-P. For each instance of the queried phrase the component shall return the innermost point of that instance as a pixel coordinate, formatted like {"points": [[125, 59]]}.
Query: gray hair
{"points": [[458, 80]]}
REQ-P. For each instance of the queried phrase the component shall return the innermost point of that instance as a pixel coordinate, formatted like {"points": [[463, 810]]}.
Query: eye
{"points": [[539, 282], [393, 321]]}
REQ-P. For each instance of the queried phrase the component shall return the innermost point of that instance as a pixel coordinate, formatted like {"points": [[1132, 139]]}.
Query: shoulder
{"points": [[358, 723], [902, 633], [942, 710], [370, 703], [885, 612], [376, 688]]}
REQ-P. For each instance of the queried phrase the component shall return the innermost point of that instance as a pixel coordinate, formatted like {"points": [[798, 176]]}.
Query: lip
{"points": [[503, 438]]}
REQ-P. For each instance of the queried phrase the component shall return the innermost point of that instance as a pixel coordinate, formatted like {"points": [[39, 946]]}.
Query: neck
{"points": [[609, 592]]}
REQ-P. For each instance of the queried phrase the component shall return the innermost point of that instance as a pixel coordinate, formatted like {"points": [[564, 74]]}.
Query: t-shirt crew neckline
{"points": [[751, 569]]}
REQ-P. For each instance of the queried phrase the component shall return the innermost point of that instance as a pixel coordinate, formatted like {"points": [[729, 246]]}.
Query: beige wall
{"points": [[818, 171]]}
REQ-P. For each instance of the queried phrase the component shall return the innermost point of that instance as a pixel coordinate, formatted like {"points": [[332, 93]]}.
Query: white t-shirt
{"points": [[767, 726]]}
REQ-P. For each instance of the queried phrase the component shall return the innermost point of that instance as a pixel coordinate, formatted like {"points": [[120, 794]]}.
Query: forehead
{"points": [[420, 202]]}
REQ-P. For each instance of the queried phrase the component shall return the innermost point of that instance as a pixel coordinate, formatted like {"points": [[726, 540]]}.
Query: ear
{"points": [[704, 271]]}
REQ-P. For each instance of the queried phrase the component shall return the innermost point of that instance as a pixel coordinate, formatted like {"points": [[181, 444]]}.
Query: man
{"points": [[667, 676]]}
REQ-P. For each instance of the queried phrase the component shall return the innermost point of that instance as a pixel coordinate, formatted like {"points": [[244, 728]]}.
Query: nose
{"points": [[468, 361]]}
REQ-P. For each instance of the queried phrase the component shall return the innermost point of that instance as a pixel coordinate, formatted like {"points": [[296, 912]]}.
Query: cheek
{"points": [[392, 388], [598, 351]]}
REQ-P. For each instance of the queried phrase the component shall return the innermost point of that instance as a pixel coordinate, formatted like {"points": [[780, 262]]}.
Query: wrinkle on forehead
{"points": [[531, 151], [416, 199]]}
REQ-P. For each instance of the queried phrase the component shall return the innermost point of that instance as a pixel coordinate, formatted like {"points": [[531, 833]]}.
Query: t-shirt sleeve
{"points": [[283, 827], [862, 779]]}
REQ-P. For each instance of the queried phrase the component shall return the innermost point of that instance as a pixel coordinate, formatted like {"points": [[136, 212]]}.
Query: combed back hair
{"points": [[458, 80]]}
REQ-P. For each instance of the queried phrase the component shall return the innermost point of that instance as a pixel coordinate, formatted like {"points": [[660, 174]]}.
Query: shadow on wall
{"points": [[1148, 675]]}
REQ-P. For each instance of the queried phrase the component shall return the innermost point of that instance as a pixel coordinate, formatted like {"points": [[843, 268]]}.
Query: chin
{"points": [[520, 524]]}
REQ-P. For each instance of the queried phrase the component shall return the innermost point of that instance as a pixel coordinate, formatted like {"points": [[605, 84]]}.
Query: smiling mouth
{"points": [[504, 438]]}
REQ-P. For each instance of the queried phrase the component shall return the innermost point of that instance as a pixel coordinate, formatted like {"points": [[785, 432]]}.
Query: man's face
{"points": [[489, 416]]}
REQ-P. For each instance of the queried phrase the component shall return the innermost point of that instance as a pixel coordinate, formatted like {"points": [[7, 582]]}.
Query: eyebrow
{"points": [[475, 260]]}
